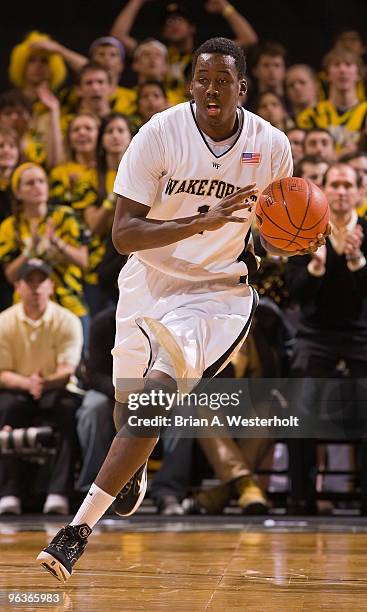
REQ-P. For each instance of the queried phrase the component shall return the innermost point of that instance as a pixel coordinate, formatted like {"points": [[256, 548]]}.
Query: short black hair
{"points": [[92, 66], [308, 159], [316, 130], [222, 46], [339, 164], [155, 83], [15, 98], [350, 156]]}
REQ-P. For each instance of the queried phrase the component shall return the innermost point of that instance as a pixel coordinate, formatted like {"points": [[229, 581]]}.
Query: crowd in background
{"points": [[65, 122]]}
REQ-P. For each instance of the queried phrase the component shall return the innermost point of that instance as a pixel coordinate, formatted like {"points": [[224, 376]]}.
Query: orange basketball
{"points": [[290, 212]]}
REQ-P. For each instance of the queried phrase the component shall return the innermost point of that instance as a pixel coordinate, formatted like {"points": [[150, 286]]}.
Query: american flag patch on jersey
{"points": [[250, 158]]}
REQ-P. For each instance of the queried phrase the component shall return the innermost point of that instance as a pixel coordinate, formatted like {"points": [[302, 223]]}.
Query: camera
{"points": [[28, 441]]}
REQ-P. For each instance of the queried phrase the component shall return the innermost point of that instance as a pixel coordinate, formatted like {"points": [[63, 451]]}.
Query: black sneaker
{"points": [[132, 494], [64, 550]]}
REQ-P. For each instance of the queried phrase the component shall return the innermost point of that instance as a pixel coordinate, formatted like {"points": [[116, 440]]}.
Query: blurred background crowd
{"points": [[68, 110]]}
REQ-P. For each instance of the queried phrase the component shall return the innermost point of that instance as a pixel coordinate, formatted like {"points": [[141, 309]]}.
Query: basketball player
{"points": [[186, 188]]}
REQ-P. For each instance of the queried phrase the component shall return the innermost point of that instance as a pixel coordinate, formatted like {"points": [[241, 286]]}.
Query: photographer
{"points": [[40, 347]]}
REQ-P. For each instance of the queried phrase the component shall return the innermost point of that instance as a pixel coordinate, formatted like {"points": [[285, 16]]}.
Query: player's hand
{"points": [[353, 241], [315, 244], [222, 212]]}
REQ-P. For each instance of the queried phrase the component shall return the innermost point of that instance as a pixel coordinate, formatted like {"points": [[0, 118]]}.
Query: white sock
{"points": [[93, 507]]}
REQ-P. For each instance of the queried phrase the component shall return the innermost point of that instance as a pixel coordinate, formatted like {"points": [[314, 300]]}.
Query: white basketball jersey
{"points": [[170, 168]]}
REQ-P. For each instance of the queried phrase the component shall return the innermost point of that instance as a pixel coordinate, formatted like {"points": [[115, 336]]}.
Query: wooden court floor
{"points": [[172, 568]]}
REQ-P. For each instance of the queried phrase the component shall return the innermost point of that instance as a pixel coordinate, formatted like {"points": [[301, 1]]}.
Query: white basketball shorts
{"points": [[188, 329]]}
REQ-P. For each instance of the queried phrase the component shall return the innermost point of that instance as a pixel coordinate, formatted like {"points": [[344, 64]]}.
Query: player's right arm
{"points": [[132, 231]]}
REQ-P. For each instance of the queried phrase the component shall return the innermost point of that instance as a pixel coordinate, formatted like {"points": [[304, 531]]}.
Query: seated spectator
{"points": [[37, 74], [152, 99], [178, 33], [348, 40], [36, 145], [270, 107], [106, 51], [341, 114], [319, 142], [51, 234], [302, 88], [68, 180], [9, 158], [330, 286], [268, 68], [40, 348], [95, 416], [312, 168], [358, 161], [296, 137]]}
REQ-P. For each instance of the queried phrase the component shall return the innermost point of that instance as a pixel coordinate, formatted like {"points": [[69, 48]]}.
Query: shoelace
{"points": [[133, 481], [63, 539]]}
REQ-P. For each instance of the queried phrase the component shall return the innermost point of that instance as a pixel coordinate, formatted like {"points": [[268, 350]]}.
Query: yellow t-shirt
{"points": [[345, 126], [28, 346], [80, 194], [16, 235]]}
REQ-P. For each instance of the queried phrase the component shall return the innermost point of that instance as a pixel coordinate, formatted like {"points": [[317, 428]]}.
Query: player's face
{"points": [[320, 144], [314, 172], [151, 101], [37, 70], [109, 57], [341, 189], [95, 88], [83, 134], [216, 87], [16, 118], [301, 87], [116, 137], [297, 139], [9, 153], [270, 71], [33, 187], [271, 109], [343, 75], [360, 164]]}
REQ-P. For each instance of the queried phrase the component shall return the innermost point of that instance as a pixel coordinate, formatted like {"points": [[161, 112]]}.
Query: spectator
{"points": [[109, 53], [152, 99], [95, 421], [341, 114], [51, 234], [40, 347], [37, 74], [268, 68], [36, 145], [178, 32], [270, 107], [312, 168], [94, 88], [296, 137], [320, 142], [330, 286], [302, 88], [9, 158], [359, 162], [67, 181]]}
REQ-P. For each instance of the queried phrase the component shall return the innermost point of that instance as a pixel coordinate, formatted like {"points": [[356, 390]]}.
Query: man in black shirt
{"points": [[331, 288]]}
